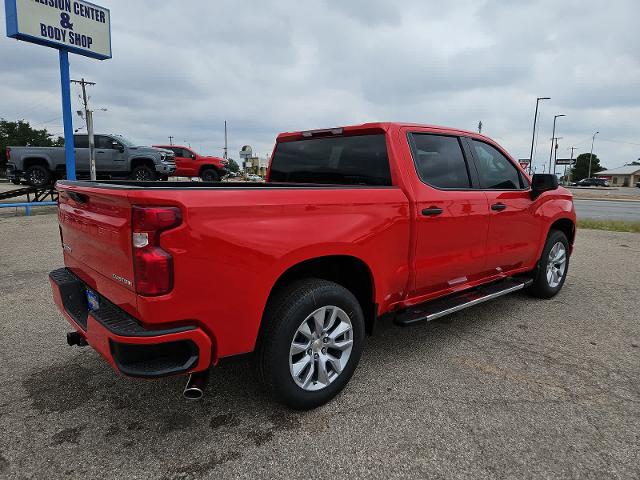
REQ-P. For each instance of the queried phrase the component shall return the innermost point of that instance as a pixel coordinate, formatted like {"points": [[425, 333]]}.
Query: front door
{"points": [[514, 231], [185, 164], [451, 216]]}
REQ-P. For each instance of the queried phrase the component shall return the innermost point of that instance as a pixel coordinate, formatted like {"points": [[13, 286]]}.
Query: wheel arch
{"points": [[39, 160], [566, 226], [140, 161], [206, 166], [348, 271]]}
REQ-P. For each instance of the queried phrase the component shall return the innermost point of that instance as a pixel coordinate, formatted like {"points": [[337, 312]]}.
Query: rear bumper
{"points": [[122, 341], [12, 173]]}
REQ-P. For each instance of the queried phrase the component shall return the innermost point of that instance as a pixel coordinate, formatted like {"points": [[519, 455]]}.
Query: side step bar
{"points": [[429, 311]]}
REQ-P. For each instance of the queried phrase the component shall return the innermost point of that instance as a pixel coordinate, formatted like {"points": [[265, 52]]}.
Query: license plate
{"points": [[93, 302]]}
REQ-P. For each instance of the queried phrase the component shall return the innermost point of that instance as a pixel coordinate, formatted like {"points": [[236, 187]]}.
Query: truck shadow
{"points": [[117, 412]]}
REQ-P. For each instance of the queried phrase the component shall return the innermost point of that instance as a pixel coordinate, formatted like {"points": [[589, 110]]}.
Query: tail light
{"points": [[8, 153], [152, 265]]}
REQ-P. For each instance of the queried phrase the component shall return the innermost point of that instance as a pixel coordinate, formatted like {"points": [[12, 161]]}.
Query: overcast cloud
{"points": [[181, 68]]}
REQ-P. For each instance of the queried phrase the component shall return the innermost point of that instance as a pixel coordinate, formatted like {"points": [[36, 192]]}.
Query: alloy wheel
{"points": [[321, 348]]}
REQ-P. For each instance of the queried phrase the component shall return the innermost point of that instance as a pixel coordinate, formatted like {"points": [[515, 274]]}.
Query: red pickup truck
{"points": [[397, 220], [189, 163]]}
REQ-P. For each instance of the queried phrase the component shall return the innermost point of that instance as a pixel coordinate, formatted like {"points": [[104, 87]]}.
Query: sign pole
{"points": [[67, 119]]}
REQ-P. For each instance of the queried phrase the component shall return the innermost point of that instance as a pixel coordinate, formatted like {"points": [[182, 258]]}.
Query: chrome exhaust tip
{"points": [[194, 389]]}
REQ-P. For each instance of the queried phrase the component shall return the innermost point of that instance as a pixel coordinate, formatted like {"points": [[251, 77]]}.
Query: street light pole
{"points": [[593, 139], [533, 135], [553, 138]]}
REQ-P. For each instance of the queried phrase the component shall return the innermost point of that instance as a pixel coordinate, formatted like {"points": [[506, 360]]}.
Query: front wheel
{"points": [[310, 343], [209, 175], [143, 173], [552, 266]]}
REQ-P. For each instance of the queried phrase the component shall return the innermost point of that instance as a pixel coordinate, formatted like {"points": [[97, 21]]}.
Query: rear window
{"points": [[353, 160]]}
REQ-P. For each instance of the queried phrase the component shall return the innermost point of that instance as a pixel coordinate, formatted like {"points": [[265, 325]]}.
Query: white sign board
{"points": [[77, 26]]}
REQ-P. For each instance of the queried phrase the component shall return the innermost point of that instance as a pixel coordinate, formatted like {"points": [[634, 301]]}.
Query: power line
{"points": [[619, 141]]}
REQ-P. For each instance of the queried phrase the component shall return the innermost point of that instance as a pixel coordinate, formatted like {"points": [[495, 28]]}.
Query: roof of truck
{"points": [[380, 126]]}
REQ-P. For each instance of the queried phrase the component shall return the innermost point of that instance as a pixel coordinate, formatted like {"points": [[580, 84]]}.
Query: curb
{"points": [[600, 199]]}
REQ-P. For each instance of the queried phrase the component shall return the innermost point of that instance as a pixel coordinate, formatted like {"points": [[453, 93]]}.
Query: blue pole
{"points": [[67, 119]]}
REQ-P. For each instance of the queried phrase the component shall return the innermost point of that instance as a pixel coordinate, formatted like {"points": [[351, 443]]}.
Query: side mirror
{"points": [[543, 182], [193, 156]]}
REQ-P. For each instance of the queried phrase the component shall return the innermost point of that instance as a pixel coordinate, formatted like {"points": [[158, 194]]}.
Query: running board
{"points": [[429, 311]]}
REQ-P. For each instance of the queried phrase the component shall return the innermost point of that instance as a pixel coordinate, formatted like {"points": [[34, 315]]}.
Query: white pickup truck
{"points": [[116, 157]]}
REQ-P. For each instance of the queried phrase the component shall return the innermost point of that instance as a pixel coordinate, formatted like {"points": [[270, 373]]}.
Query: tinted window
{"points": [[439, 161], [81, 141], [496, 171], [103, 142], [357, 160]]}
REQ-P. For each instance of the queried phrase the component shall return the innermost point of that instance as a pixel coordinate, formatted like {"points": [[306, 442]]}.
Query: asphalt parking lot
{"points": [[515, 388]]}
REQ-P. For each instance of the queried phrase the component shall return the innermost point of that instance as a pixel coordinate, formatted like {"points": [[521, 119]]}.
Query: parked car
{"points": [[252, 177], [354, 224], [592, 182], [116, 157], [189, 163]]}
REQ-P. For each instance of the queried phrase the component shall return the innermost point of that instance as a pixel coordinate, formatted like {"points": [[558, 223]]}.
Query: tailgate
{"points": [[95, 226]]}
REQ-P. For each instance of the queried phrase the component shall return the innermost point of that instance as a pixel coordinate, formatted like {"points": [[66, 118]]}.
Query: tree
{"points": [[233, 166], [20, 133], [581, 169]]}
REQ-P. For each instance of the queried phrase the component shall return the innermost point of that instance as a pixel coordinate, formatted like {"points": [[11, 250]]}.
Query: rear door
{"points": [[513, 228], [451, 215], [81, 148]]}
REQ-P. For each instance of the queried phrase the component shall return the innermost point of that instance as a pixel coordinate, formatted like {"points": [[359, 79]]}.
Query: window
{"points": [[439, 161], [103, 142], [81, 141], [496, 171], [350, 160]]}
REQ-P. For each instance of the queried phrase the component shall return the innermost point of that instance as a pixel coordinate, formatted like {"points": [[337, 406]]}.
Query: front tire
{"points": [[143, 173], [310, 343], [209, 175], [553, 266]]}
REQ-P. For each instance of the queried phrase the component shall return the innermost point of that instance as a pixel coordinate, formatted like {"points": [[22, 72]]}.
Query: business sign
{"points": [[565, 161], [77, 26]]}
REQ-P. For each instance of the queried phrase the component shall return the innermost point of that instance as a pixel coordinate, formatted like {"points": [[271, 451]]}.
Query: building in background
{"points": [[626, 176]]}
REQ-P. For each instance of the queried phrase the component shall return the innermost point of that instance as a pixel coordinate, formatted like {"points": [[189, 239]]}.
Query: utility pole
{"points": [[170, 140], [533, 135], [88, 114], [225, 140], [593, 139]]}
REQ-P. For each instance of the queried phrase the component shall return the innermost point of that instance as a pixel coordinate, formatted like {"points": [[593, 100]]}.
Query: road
{"points": [[514, 388], [608, 210]]}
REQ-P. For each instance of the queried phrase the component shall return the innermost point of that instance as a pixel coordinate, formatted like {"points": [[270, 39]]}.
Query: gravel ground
{"points": [[515, 388]]}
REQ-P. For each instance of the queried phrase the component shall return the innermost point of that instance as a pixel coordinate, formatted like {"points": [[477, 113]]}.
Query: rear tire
{"points": [[209, 175], [310, 343], [143, 173], [37, 176], [553, 266]]}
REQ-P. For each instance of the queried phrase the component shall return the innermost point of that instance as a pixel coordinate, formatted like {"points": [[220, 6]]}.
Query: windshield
{"points": [[125, 140]]}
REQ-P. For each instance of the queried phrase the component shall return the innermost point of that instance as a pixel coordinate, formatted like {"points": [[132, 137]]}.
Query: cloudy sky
{"points": [[181, 68]]}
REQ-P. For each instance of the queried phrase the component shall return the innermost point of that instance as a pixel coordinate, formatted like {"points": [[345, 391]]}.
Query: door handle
{"points": [[498, 207], [432, 211]]}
